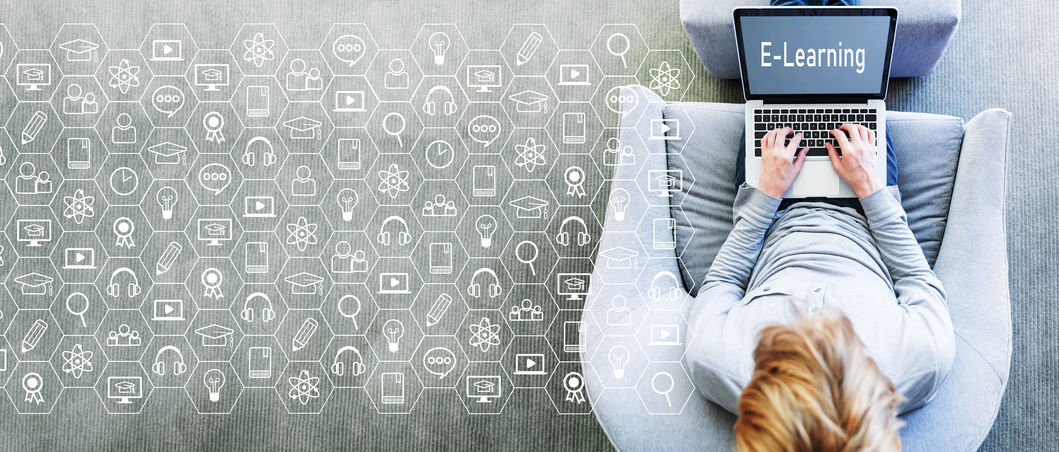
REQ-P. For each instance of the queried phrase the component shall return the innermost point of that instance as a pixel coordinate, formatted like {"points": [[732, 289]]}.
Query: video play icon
{"points": [[529, 364], [349, 101]]}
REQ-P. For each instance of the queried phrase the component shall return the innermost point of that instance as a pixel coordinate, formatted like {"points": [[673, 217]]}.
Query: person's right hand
{"points": [[857, 165]]}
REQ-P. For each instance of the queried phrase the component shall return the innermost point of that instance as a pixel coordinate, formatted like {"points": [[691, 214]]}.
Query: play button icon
{"points": [[351, 101], [529, 364]]}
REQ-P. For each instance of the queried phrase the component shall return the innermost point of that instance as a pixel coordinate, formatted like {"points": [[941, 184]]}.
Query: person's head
{"points": [[815, 388]]}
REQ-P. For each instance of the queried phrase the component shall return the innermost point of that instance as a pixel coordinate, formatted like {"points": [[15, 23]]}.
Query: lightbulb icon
{"points": [[486, 227], [347, 199], [166, 198], [439, 44], [619, 358], [393, 330], [214, 381], [620, 200]]}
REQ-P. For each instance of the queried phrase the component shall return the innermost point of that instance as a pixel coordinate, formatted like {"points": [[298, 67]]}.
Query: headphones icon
{"points": [[563, 237], [656, 292], [475, 290], [403, 237], [114, 289], [430, 107], [268, 156], [356, 364], [178, 366], [267, 311]]}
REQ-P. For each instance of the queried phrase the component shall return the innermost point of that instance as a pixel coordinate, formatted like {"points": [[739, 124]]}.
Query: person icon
{"points": [[313, 81], [358, 264], [396, 77], [123, 131], [73, 103], [297, 78], [89, 106], [618, 314], [43, 182], [303, 183], [26, 182]]}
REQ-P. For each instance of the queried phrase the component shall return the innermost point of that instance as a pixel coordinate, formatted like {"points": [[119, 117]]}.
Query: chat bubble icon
{"points": [[215, 177], [439, 361], [168, 99], [622, 100], [484, 129], [349, 49]]}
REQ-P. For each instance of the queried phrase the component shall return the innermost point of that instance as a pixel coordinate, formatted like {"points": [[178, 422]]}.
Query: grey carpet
{"points": [[1003, 55]]}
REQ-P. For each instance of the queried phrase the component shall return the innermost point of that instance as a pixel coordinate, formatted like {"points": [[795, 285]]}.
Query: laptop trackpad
{"points": [[816, 179]]}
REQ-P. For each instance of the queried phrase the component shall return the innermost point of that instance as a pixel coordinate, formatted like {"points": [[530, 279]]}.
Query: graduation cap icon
{"points": [[529, 207], [529, 101], [305, 283], [34, 74], [303, 128], [214, 335], [484, 76], [212, 74], [574, 284], [484, 386], [79, 50], [33, 230], [34, 283], [125, 387], [215, 229], [619, 257], [168, 153]]}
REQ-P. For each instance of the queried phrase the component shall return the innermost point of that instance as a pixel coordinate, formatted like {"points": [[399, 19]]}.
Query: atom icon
{"points": [[79, 206], [665, 78], [258, 49], [530, 155], [301, 233], [77, 361], [124, 76], [393, 181], [485, 334], [303, 387]]}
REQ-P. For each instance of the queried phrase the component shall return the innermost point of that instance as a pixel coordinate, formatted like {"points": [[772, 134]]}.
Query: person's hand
{"points": [[856, 166], [779, 167]]}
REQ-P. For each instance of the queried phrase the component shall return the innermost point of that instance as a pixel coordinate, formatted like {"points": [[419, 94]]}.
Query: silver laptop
{"points": [[813, 69]]}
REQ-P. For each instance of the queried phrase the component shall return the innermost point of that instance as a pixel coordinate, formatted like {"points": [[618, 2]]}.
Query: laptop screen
{"points": [[821, 53]]}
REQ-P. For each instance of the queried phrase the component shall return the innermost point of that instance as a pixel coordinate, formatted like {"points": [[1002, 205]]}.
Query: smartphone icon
{"points": [[392, 388], [484, 181], [260, 359], [441, 258], [78, 153], [257, 101], [574, 127], [257, 257]]}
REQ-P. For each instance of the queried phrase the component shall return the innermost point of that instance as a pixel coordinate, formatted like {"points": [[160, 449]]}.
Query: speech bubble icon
{"points": [[439, 361], [622, 100], [484, 129], [215, 177], [349, 49], [168, 99]]}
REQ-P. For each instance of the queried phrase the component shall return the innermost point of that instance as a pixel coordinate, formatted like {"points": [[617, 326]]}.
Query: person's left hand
{"points": [[779, 167]]}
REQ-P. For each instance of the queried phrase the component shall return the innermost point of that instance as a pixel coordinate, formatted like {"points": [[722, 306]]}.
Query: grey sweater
{"points": [[774, 266]]}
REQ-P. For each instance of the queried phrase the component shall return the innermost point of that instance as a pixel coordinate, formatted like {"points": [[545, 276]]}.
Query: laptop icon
{"points": [[259, 207], [79, 258]]}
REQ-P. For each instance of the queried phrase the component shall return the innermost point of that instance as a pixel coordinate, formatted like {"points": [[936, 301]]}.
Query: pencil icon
{"points": [[168, 258], [529, 47], [32, 337], [305, 332], [29, 133], [438, 309]]}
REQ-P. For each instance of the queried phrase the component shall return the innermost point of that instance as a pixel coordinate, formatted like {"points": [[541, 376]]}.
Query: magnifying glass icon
{"points": [[618, 45], [393, 124], [662, 383], [72, 301], [527, 257], [344, 311]]}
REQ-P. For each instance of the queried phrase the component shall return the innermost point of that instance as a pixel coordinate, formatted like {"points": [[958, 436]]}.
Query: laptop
{"points": [[813, 69]]}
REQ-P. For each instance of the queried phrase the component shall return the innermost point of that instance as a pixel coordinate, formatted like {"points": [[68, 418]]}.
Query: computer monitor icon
{"points": [[485, 77], [665, 182], [573, 286], [124, 389], [33, 75], [33, 232], [214, 230], [483, 388], [212, 76]]}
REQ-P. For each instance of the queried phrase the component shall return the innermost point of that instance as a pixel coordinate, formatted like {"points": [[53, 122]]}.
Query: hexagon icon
{"points": [[351, 361], [169, 361], [124, 179], [259, 153], [169, 49], [79, 257], [440, 309], [8, 46], [395, 75], [529, 49], [214, 388], [78, 309], [529, 153], [349, 309], [575, 75], [79, 101], [440, 361], [124, 335], [347, 202], [170, 256], [33, 387], [78, 153], [33, 74], [214, 75], [394, 127], [529, 101], [124, 75], [168, 152], [214, 127], [33, 335], [34, 179], [439, 49], [394, 387], [213, 335], [665, 388], [304, 283], [213, 283], [34, 127], [485, 75], [619, 49], [124, 128], [258, 361], [349, 49], [484, 283], [304, 127], [124, 283], [394, 335], [575, 127], [304, 75], [258, 49], [124, 387], [304, 335], [440, 101], [484, 231], [484, 388], [34, 284], [169, 101], [529, 309], [259, 101], [169, 205], [667, 73], [529, 361], [349, 101], [125, 235], [78, 362], [80, 205], [484, 335], [306, 179], [169, 309], [304, 387], [529, 257]]}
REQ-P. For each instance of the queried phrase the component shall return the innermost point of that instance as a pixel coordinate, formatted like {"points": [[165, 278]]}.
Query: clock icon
{"points": [[124, 181], [439, 154]]}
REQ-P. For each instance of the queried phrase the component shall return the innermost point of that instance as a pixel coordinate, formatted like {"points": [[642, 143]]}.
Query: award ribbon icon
{"points": [[574, 384], [32, 384]]}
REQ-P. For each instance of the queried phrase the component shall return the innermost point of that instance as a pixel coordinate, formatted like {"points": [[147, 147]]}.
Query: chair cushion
{"points": [[927, 146]]}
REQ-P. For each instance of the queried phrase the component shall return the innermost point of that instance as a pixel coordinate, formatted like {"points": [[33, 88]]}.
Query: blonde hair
{"points": [[815, 388]]}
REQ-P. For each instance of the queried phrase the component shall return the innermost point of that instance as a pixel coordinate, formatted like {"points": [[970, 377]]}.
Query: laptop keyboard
{"points": [[815, 123]]}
